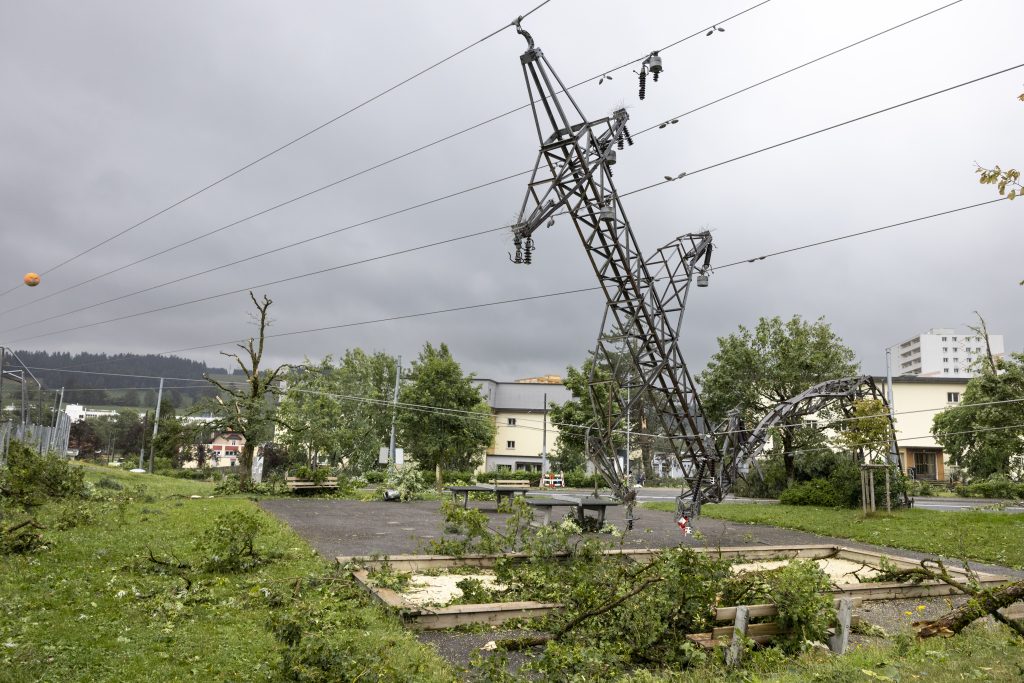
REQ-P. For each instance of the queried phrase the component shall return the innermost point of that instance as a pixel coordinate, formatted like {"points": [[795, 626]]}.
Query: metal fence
{"points": [[43, 438]]}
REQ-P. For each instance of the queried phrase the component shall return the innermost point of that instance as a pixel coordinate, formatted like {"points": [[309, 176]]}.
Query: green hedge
{"points": [[995, 486]]}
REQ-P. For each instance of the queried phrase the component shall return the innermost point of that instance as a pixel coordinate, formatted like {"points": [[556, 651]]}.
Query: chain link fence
{"points": [[43, 438]]}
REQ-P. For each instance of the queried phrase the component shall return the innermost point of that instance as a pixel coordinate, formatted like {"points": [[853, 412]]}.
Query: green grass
{"points": [[979, 653], [94, 607], [985, 536]]}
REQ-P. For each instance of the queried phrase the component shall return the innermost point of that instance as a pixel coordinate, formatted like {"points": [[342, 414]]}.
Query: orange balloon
{"points": [[31, 279]]}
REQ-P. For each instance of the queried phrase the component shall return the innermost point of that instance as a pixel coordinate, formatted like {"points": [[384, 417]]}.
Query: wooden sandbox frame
{"points": [[427, 618]]}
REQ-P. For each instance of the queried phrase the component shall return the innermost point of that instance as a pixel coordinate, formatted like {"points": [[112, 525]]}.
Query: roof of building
{"points": [[521, 395], [917, 379]]}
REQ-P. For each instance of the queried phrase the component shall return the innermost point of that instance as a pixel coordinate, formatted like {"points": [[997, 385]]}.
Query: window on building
{"points": [[945, 348], [945, 339], [511, 422], [946, 370], [945, 360], [504, 468], [953, 397], [956, 360], [510, 445]]}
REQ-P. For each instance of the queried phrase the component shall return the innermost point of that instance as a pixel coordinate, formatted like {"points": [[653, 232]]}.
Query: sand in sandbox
{"points": [[838, 570], [425, 589]]}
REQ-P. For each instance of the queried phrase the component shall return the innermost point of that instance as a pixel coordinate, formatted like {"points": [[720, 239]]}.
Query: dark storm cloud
{"points": [[113, 110]]}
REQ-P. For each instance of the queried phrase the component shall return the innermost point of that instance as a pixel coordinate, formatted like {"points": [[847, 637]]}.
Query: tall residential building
{"points": [[943, 352], [522, 420]]}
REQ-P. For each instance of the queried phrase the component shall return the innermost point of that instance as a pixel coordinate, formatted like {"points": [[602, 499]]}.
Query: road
{"points": [[921, 502]]}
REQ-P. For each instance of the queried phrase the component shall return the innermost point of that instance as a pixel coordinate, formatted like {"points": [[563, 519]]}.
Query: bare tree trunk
{"points": [[438, 476], [788, 459], [245, 465]]}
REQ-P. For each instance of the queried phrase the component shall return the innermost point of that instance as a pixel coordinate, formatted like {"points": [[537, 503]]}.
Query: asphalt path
{"points": [[942, 504]]}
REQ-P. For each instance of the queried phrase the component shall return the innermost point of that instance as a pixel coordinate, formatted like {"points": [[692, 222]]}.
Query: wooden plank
{"points": [[739, 630], [384, 595], [442, 618], [728, 614], [769, 628]]}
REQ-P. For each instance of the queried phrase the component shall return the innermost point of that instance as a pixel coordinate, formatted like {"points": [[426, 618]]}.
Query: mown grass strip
{"points": [[993, 537]]}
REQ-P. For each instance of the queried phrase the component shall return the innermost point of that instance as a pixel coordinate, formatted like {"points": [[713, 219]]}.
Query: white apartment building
{"points": [[942, 352], [522, 421]]}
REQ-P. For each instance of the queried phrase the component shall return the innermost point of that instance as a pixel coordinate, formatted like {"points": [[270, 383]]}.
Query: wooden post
{"points": [[888, 497], [871, 488], [863, 491], [841, 639], [739, 631]]}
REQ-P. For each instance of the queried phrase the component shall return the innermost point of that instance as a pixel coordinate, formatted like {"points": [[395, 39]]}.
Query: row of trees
{"points": [[754, 369], [341, 412]]}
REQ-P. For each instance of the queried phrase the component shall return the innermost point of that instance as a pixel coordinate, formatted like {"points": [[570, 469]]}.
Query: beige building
{"points": [[520, 415], [916, 401]]}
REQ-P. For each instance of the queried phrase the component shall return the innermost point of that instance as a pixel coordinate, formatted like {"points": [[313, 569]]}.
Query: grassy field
{"points": [[985, 536], [981, 653], [93, 606]]}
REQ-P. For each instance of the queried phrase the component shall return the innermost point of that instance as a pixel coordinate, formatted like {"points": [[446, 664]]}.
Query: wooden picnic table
{"points": [[499, 491]]}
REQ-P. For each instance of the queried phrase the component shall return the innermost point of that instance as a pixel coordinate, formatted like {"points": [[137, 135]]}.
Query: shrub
{"points": [[994, 486], [820, 492], [407, 480], [229, 543], [374, 476], [30, 478]]}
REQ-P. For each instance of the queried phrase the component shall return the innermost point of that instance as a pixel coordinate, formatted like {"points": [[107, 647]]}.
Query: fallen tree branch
{"points": [[982, 602]]}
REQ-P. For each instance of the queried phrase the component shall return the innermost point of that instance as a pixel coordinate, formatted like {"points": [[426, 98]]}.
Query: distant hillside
{"points": [[109, 389]]}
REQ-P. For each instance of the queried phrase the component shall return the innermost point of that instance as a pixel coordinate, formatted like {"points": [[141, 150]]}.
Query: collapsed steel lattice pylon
{"points": [[645, 302]]}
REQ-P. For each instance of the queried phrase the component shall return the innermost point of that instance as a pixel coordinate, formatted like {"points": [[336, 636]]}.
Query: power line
{"points": [[829, 128], [553, 294], [416, 206], [283, 147], [801, 66], [473, 415], [319, 189]]}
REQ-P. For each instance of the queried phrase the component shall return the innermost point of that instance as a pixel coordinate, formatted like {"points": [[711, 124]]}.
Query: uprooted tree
{"points": [[249, 411]]}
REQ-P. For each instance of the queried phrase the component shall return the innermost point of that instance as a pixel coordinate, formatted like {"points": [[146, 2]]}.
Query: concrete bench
{"points": [[499, 490], [580, 506], [296, 484]]}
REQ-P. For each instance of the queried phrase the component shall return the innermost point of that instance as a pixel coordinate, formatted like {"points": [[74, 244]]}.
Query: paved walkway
{"points": [[347, 527]]}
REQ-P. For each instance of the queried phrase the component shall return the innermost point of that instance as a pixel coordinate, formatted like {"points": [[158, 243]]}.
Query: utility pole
{"points": [[544, 441], [3, 357], [156, 422], [394, 412], [24, 398], [142, 448], [894, 456], [56, 420]]}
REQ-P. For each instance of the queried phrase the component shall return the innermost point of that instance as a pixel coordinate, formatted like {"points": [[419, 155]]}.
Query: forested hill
{"points": [[103, 389]]}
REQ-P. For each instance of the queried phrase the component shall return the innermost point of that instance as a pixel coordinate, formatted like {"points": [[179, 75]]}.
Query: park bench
{"points": [[501, 488], [736, 626], [579, 507], [296, 484]]}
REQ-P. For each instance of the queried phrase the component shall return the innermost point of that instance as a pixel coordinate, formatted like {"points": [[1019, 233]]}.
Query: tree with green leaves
{"points": [[983, 433], [867, 430], [250, 411], [444, 421], [341, 411], [753, 370], [575, 415]]}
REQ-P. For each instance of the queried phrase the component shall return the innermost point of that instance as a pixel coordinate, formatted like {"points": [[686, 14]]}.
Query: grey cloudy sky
{"points": [[110, 111]]}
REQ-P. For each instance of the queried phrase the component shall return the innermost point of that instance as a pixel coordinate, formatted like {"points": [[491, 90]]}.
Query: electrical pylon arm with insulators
{"points": [[637, 359]]}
